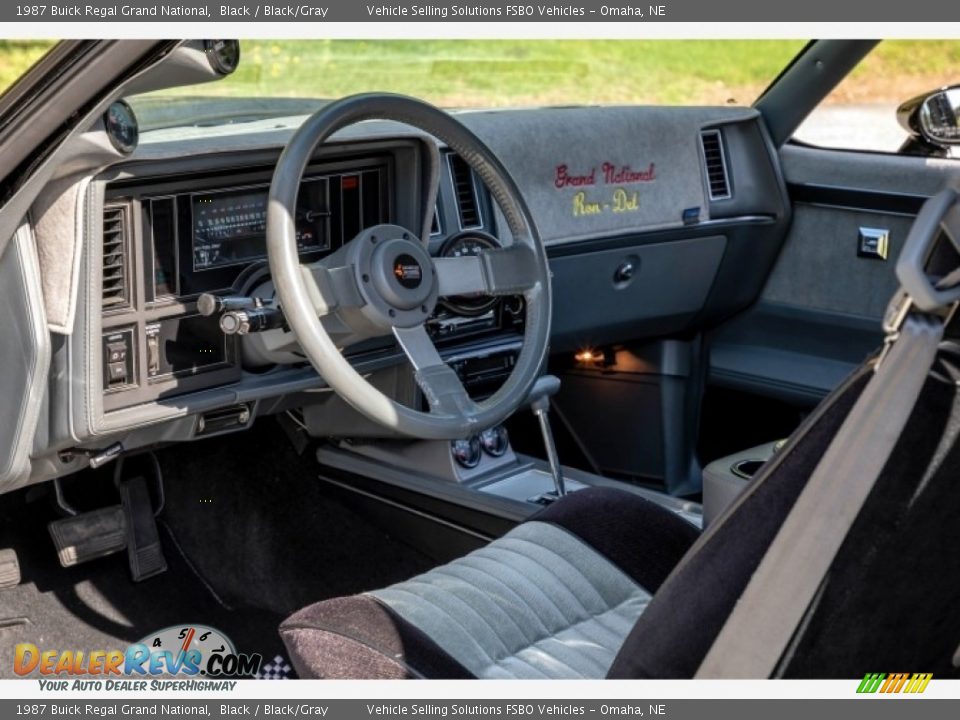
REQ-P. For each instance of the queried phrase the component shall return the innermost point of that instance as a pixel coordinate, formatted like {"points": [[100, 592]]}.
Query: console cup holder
{"points": [[746, 469]]}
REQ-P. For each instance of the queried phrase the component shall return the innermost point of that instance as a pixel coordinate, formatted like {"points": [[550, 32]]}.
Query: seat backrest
{"points": [[890, 599]]}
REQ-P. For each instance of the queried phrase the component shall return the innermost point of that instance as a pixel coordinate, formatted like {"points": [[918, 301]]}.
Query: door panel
{"points": [[819, 268], [820, 311]]}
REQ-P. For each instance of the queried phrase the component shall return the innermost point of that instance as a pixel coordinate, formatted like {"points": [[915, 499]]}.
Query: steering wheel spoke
{"points": [[439, 382], [507, 271], [330, 289]]}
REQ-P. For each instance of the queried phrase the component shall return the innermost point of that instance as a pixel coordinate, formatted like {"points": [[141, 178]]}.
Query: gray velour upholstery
{"points": [[58, 226], [537, 603]]}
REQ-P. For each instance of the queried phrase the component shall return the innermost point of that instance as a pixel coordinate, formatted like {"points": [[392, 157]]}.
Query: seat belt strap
{"points": [[759, 630]]}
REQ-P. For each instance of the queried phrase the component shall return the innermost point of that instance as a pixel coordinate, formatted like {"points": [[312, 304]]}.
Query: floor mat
{"points": [[96, 606], [259, 525], [249, 533]]}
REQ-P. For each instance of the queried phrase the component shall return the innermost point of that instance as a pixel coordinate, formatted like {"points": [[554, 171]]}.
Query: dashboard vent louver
{"points": [[115, 227], [718, 181], [465, 189]]}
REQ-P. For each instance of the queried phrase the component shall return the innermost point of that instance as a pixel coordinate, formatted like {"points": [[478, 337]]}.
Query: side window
{"points": [[17, 56], [861, 112]]}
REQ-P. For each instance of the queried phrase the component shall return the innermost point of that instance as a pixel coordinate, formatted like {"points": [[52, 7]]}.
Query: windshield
{"points": [[462, 74]]}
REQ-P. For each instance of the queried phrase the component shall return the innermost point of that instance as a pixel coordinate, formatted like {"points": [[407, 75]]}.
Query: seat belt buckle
{"points": [[938, 220], [898, 310]]}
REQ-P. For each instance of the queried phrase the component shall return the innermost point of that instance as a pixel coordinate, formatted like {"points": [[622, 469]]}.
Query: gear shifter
{"points": [[539, 401]]}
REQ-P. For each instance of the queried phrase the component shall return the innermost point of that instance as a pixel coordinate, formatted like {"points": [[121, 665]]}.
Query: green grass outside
{"points": [[16, 57], [516, 72], [493, 73]]}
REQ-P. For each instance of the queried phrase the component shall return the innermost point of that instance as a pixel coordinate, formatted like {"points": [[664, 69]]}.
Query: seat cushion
{"points": [[537, 603], [554, 598], [356, 637]]}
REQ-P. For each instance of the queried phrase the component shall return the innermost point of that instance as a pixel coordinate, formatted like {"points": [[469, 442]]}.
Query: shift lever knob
{"points": [[539, 401], [543, 389]]}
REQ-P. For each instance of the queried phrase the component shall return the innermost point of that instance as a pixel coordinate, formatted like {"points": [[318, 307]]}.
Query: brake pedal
{"points": [[9, 569], [90, 535], [143, 539]]}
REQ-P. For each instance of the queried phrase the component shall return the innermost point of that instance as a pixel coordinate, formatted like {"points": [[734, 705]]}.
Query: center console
{"points": [[725, 479], [421, 479]]}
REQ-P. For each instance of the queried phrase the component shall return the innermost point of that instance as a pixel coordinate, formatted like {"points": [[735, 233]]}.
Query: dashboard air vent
{"points": [[115, 227], [465, 188], [716, 161]]}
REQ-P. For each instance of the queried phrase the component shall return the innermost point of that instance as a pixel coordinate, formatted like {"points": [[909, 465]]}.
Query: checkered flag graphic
{"points": [[277, 669]]}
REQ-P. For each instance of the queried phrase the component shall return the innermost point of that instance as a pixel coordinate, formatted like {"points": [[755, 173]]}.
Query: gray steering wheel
{"points": [[385, 281]]}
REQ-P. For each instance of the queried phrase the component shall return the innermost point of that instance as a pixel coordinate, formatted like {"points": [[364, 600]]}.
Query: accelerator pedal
{"points": [[9, 569], [90, 535], [143, 539]]}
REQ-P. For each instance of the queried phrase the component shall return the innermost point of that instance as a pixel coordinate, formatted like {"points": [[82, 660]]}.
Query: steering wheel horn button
{"points": [[408, 271], [401, 273]]}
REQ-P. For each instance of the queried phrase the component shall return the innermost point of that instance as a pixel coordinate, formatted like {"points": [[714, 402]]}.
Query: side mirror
{"points": [[933, 119]]}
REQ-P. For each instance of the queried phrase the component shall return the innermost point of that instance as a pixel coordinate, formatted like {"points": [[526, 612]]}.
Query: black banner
{"points": [[353, 11], [874, 709]]}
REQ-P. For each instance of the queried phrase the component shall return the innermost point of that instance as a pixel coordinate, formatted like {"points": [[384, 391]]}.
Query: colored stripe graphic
{"points": [[919, 682], [870, 682], [913, 683], [896, 682]]}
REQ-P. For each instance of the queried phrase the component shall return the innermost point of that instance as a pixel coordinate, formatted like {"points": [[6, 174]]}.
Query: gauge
{"points": [[495, 441], [223, 55], [183, 637], [192, 644], [121, 126], [466, 452], [469, 245]]}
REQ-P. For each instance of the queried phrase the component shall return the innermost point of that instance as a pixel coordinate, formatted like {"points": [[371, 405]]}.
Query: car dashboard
{"points": [[169, 240], [657, 222]]}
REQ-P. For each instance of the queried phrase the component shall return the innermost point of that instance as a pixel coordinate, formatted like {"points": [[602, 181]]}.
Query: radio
{"points": [[482, 375]]}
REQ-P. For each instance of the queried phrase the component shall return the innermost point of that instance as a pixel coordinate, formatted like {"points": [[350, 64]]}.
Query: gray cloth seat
{"points": [[537, 603], [553, 598]]}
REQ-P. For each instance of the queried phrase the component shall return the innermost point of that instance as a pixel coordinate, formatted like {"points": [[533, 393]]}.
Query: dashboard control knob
{"points": [[209, 305], [494, 441], [244, 322], [235, 323], [466, 452]]}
